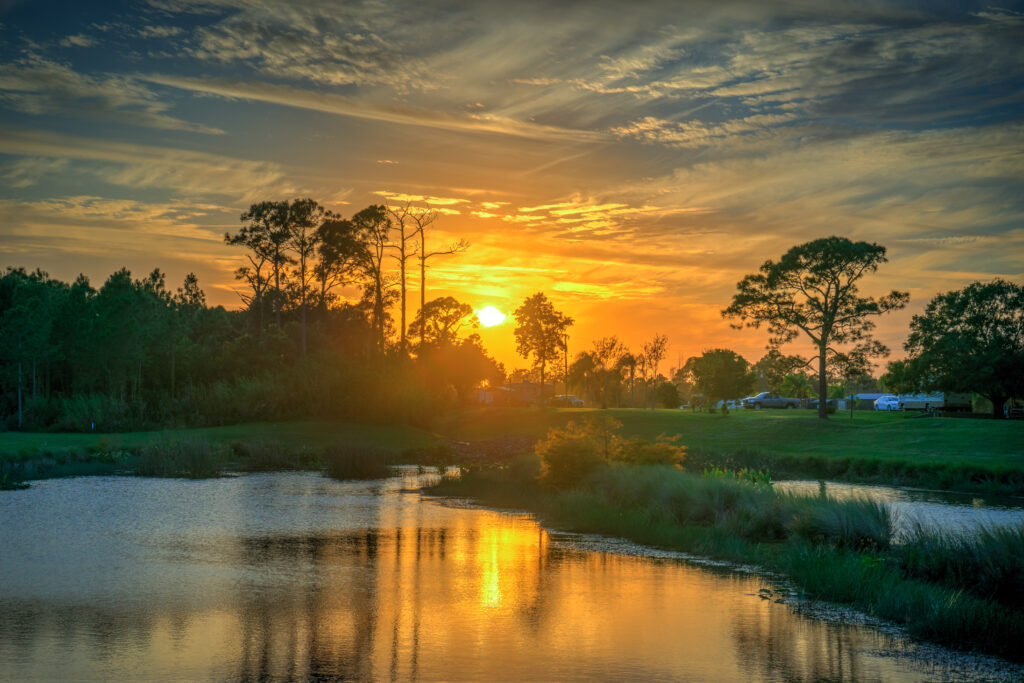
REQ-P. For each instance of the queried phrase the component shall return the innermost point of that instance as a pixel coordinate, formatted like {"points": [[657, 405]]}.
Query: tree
{"points": [[813, 289], [628, 361], [795, 385], [341, 246], [971, 340], [651, 356], [539, 330], [301, 220], [265, 235], [439, 321], [774, 367], [423, 220], [719, 374], [374, 224], [402, 222], [899, 378]]}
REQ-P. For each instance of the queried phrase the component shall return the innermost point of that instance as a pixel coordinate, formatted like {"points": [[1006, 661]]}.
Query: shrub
{"points": [[568, 455], [357, 461], [187, 457], [637, 451]]}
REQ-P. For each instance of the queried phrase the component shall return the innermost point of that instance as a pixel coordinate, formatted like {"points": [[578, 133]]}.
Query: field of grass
{"points": [[891, 448], [872, 447]]}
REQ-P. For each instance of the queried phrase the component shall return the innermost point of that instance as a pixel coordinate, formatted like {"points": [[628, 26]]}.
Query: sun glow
{"points": [[490, 316]]}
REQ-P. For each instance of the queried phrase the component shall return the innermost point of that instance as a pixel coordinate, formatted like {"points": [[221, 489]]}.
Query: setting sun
{"points": [[490, 316]]}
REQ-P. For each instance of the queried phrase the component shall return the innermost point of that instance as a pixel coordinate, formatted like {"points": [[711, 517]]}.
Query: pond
{"points": [[295, 576]]}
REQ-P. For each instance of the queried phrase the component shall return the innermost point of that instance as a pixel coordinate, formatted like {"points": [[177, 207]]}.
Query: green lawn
{"points": [[869, 434]]}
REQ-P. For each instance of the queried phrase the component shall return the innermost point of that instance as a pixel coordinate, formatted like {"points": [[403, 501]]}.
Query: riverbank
{"points": [[898, 449], [965, 595]]}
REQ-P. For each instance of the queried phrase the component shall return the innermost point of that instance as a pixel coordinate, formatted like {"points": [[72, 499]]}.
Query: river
{"points": [[293, 576]]}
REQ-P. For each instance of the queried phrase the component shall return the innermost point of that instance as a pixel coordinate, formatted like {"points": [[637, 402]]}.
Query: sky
{"points": [[631, 160]]}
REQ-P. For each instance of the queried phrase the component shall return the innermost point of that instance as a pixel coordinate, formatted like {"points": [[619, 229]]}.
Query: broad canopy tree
{"points": [[540, 331], [813, 290], [969, 340], [719, 374]]}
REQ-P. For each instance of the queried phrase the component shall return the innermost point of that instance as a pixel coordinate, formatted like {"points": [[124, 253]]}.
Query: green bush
{"points": [[567, 456], [860, 525], [637, 451]]}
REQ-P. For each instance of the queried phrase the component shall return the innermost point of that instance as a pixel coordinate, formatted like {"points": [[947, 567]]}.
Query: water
{"points": [[293, 576], [959, 513]]}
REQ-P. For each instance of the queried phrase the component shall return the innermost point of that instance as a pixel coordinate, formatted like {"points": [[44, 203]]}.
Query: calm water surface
{"points": [[294, 576]]}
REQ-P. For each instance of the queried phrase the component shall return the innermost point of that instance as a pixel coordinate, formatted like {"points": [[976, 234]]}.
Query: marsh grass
{"points": [[839, 551], [189, 458], [989, 564], [263, 455], [357, 461]]}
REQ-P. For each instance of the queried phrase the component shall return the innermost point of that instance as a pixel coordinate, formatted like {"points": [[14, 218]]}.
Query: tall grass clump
{"points": [[191, 458], [988, 563], [861, 525], [357, 461], [269, 456]]}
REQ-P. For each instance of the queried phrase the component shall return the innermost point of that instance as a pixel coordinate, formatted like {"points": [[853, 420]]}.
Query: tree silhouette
{"points": [[971, 339], [539, 330], [813, 289]]}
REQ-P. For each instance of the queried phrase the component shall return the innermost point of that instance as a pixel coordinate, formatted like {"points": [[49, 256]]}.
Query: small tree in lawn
{"points": [[719, 374], [539, 331], [970, 340], [812, 290]]}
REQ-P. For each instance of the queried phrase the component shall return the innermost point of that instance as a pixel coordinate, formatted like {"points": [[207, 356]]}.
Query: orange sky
{"points": [[631, 165]]}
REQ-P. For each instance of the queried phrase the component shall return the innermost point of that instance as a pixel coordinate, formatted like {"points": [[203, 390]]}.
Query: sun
{"points": [[490, 316]]}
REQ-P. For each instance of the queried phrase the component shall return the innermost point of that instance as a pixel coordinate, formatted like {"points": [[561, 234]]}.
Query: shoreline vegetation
{"points": [[970, 456], [962, 592], [665, 479]]}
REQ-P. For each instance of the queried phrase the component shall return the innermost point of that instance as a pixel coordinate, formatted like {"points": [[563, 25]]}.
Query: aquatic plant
{"points": [[191, 458]]}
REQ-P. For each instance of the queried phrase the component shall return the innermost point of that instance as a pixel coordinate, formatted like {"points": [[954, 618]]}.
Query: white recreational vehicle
{"points": [[938, 401]]}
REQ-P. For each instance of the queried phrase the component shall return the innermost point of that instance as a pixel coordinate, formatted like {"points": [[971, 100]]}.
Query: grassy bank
{"points": [[197, 452], [885, 448], [903, 449], [837, 551]]}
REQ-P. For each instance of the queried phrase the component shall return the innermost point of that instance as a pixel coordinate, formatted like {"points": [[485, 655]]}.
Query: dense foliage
{"points": [[135, 354]]}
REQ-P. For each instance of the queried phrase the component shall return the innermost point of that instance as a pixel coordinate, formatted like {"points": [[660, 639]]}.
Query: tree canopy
{"points": [[540, 331], [971, 339], [813, 289], [719, 374]]}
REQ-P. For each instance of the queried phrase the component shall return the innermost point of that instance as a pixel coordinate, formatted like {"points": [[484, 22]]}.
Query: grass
{"points": [[835, 551], [872, 447], [191, 458], [268, 446]]}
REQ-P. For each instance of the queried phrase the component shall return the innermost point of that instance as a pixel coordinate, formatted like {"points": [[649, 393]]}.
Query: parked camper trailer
{"points": [[938, 401]]}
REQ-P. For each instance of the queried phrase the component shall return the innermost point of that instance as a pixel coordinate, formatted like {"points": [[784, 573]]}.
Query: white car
{"points": [[887, 402]]}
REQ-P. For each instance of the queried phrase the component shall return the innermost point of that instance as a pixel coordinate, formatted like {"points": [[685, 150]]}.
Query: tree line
{"points": [[135, 353]]}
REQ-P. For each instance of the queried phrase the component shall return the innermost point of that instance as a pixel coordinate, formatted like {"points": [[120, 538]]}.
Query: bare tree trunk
{"points": [[19, 393], [822, 384]]}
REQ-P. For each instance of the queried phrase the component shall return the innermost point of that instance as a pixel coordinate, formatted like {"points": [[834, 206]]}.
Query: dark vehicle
{"points": [[830, 405], [768, 399]]}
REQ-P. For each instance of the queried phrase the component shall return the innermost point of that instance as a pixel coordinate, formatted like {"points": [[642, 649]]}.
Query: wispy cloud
{"points": [[36, 85]]}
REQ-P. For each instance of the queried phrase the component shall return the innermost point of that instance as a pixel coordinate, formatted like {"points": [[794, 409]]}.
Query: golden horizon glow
{"points": [[490, 316]]}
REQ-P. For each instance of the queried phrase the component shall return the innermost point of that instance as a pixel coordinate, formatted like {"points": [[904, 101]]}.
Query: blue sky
{"points": [[632, 160]]}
